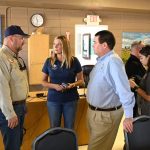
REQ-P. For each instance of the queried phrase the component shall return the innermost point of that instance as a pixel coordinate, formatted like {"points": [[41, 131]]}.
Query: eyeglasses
{"points": [[21, 63], [19, 37]]}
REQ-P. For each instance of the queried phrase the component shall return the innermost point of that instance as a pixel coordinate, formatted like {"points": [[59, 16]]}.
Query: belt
{"points": [[104, 109], [18, 102]]}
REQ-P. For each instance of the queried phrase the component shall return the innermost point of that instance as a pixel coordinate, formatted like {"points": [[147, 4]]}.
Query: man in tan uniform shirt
{"points": [[13, 88]]}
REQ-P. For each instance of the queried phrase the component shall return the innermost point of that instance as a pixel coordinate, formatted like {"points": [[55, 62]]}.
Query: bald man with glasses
{"points": [[13, 88]]}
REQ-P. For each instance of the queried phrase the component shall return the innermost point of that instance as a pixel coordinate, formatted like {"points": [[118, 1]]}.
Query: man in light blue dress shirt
{"points": [[108, 91]]}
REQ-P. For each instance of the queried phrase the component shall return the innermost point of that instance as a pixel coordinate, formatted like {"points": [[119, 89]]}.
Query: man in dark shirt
{"points": [[135, 69]]}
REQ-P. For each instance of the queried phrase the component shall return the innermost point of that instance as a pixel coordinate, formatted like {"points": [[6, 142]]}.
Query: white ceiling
{"points": [[128, 5]]}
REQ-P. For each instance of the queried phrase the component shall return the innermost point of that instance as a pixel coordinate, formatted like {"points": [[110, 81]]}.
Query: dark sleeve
{"points": [[45, 66], [77, 65], [132, 70], [148, 84]]}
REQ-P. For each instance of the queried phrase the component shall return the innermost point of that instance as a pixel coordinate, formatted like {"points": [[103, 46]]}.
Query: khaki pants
{"points": [[103, 127]]}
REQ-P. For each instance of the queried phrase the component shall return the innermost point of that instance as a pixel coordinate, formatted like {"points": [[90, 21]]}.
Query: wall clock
{"points": [[37, 20]]}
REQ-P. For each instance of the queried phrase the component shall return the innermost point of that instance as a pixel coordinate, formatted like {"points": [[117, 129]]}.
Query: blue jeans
{"points": [[12, 138], [56, 110]]}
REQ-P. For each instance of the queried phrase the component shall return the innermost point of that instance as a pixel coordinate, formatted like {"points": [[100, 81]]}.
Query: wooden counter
{"points": [[37, 121]]}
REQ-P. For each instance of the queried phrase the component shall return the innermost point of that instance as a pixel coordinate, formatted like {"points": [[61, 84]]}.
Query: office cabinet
{"points": [[38, 51]]}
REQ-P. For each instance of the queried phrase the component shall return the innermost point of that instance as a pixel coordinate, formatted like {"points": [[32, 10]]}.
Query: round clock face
{"points": [[37, 20]]}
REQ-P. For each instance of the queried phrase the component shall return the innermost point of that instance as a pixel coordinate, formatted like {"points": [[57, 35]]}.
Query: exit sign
{"points": [[92, 20]]}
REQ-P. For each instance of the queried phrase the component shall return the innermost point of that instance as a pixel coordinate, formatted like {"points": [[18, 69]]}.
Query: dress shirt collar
{"points": [[105, 56], [7, 49]]}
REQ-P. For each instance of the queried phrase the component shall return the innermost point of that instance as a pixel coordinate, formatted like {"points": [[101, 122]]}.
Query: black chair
{"points": [[86, 72], [139, 139], [56, 139]]}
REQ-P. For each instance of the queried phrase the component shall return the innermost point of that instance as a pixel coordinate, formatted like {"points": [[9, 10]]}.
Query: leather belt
{"points": [[104, 109], [18, 102]]}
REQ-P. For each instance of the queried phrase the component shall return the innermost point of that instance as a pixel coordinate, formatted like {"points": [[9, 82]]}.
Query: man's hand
{"points": [[128, 124], [13, 122]]}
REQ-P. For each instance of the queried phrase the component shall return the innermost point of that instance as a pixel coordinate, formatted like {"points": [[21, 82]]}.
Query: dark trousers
{"points": [[12, 138]]}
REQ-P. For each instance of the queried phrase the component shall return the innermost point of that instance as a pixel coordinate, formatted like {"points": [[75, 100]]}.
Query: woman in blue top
{"points": [[62, 73]]}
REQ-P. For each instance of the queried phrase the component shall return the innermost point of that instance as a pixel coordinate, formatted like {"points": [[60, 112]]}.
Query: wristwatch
{"points": [[136, 87]]}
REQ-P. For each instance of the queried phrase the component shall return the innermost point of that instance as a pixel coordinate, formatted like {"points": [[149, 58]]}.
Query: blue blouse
{"points": [[59, 75]]}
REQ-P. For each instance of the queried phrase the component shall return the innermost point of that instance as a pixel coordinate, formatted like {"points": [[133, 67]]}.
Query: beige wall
{"points": [[58, 21]]}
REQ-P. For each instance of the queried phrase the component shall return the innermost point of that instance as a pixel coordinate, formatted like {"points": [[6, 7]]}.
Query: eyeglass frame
{"points": [[21, 67]]}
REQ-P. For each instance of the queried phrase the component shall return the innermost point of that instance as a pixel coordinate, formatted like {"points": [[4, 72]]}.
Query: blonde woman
{"points": [[62, 73]]}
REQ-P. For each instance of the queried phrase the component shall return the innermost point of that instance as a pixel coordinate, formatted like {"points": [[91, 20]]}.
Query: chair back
{"points": [[86, 72], [56, 139], [139, 139]]}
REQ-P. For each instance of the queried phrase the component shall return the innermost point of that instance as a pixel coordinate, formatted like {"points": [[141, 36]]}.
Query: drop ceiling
{"points": [[128, 5]]}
